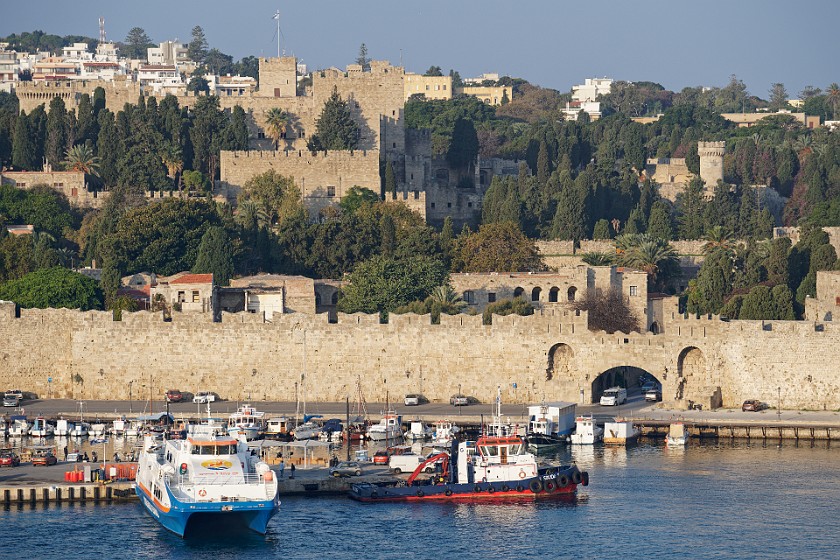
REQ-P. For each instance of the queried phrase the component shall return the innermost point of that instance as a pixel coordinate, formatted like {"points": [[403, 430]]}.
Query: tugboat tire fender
{"points": [[505, 488], [491, 489], [585, 479], [448, 492], [536, 486], [374, 494], [520, 488], [576, 477], [563, 481], [550, 487], [420, 494], [477, 488]]}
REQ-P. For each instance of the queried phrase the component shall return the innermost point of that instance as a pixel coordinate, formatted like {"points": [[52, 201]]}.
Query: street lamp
{"points": [[779, 407], [130, 383]]}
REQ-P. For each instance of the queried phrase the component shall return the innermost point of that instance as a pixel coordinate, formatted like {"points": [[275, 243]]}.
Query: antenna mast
{"points": [[102, 40]]}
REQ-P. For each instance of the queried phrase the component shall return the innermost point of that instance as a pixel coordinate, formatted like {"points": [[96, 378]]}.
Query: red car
{"points": [[381, 458], [752, 405], [44, 459], [174, 395], [9, 459]]}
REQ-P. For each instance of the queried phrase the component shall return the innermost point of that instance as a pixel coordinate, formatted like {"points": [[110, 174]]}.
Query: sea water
{"points": [[721, 499]]}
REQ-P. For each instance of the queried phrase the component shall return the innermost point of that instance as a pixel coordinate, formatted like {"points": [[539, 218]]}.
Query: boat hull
{"points": [[180, 517], [556, 483]]}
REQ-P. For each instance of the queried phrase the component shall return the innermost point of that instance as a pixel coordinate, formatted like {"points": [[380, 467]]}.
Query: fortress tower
{"points": [[711, 162]]}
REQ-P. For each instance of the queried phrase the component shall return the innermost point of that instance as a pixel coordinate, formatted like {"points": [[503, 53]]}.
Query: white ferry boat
{"points": [[208, 475], [247, 420]]}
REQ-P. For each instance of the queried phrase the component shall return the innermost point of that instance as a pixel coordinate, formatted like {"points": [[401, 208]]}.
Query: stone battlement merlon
{"points": [[277, 154]]}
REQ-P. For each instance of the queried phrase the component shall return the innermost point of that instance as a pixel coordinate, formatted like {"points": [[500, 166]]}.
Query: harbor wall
{"points": [[548, 356]]}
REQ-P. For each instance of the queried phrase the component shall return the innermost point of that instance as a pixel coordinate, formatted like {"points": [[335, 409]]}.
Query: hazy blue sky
{"points": [[553, 43]]}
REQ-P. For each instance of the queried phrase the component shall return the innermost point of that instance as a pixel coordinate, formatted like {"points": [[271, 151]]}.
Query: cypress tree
{"points": [[690, 203], [543, 165], [85, 121], [390, 179], [215, 256], [335, 129], [98, 101], [635, 222], [38, 129], [659, 225], [602, 230], [109, 148], [23, 150], [447, 237], [56, 132]]}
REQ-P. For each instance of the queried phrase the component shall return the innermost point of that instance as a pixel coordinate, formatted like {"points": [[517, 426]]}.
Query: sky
{"points": [[551, 43]]}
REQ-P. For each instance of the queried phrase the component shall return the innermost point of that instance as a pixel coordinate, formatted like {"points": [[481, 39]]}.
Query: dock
{"points": [[740, 429]]}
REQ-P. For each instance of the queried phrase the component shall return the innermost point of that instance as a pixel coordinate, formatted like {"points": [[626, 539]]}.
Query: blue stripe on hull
{"points": [[252, 515]]}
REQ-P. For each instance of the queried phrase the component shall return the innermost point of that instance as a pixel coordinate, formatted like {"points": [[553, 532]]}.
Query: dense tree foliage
{"points": [[53, 287], [335, 129], [607, 311]]}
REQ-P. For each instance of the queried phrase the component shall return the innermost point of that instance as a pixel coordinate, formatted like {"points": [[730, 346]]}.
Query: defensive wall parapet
{"points": [[549, 356]]}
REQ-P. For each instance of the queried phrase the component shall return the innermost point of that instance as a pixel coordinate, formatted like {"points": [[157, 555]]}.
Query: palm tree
{"points": [[449, 302], [276, 120], [66, 257], [173, 159], [657, 258], [251, 215], [718, 239], [834, 96], [80, 158], [597, 259]]}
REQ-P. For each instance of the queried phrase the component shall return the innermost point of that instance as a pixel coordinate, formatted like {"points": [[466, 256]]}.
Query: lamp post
{"points": [[779, 406], [130, 383], [459, 396]]}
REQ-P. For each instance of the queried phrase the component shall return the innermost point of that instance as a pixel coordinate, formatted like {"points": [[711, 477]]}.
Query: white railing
{"points": [[189, 488]]}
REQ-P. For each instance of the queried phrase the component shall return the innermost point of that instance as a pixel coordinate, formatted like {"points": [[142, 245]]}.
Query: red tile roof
{"points": [[193, 279]]}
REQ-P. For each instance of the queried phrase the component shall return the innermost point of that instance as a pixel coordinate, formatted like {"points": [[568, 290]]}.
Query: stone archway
{"points": [[691, 366], [629, 377], [559, 361]]}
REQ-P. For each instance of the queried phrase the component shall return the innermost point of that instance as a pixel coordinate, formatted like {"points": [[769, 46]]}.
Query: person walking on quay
{"points": [[65, 453], [281, 468], [292, 471]]}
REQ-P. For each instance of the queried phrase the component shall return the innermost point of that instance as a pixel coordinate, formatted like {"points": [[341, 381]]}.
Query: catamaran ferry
{"points": [[205, 476]]}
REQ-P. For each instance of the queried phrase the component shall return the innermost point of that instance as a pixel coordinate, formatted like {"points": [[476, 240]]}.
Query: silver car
{"points": [[203, 397]]}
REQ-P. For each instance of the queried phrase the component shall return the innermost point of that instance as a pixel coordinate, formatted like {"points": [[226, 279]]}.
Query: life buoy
{"points": [[491, 489], [268, 476], [550, 486], [420, 494], [563, 481], [202, 492], [522, 474], [535, 486], [477, 488], [576, 478], [448, 492]]}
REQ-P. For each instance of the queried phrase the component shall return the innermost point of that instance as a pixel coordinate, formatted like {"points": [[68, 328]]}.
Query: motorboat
{"points": [[18, 426], [133, 428], [587, 432], [63, 428], [118, 426], [307, 430], [444, 433], [620, 432], [80, 429], [549, 425], [186, 483], [41, 428], [677, 435], [97, 429], [278, 427], [500, 468], [247, 420], [389, 428], [419, 431]]}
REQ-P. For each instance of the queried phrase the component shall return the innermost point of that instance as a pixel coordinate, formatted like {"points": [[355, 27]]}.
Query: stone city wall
{"points": [[549, 356]]}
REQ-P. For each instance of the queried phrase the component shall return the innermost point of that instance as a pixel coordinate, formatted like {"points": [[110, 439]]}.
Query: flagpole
{"points": [[277, 17]]}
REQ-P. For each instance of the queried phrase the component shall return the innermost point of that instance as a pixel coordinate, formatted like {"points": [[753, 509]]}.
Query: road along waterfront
{"points": [[713, 499]]}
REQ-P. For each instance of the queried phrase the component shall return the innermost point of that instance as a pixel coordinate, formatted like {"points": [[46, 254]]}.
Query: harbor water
{"points": [[713, 499]]}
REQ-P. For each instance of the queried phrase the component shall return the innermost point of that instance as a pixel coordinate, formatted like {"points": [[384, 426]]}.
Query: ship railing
{"points": [[189, 488]]}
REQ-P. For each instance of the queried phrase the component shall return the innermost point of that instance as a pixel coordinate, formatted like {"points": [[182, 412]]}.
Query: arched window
{"points": [[317, 299], [654, 327], [518, 292], [335, 298], [535, 294], [571, 293], [553, 294]]}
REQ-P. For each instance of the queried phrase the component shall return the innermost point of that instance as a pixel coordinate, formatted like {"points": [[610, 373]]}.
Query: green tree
{"points": [[80, 158], [758, 304], [277, 195], [658, 259], [335, 129], [197, 49], [388, 232], [464, 146], [514, 306], [24, 153], [382, 285], [833, 91], [635, 222], [136, 43], [86, 127], [659, 224], [198, 83], [434, 71], [56, 132], [357, 197], [173, 159], [53, 287], [598, 259], [497, 247], [215, 256], [690, 205], [363, 60], [706, 294], [390, 179], [276, 120], [601, 230], [778, 97], [109, 148]]}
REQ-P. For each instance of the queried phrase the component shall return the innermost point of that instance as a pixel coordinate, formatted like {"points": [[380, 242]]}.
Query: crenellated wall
{"points": [[549, 356]]}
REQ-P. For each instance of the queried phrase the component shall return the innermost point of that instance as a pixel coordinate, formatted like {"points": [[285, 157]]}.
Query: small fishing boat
{"points": [[444, 433], [80, 429], [550, 425], [620, 432], [389, 428], [677, 435], [18, 426], [118, 426], [133, 428], [587, 432], [41, 428], [63, 428], [500, 468], [97, 429], [247, 420], [278, 427], [210, 475], [419, 431], [307, 430]]}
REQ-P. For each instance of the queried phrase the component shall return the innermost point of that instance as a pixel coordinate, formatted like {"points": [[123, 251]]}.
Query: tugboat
{"points": [[209, 475], [499, 469]]}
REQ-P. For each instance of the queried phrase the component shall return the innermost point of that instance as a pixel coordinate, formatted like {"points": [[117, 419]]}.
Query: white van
{"points": [[614, 396], [405, 462]]}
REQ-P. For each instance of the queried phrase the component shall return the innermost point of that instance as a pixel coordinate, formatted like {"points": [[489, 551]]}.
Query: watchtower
{"points": [[711, 162]]}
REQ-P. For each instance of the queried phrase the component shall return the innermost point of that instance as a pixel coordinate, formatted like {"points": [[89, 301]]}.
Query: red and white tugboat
{"points": [[500, 468]]}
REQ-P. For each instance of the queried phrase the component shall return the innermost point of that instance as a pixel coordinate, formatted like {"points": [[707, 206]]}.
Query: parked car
{"points": [[10, 400], [381, 458], [650, 385], [653, 395], [346, 468], [174, 395], [753, 405], [9, 459], [44, 458], [459, 400], [412, 400], [203, 397]]}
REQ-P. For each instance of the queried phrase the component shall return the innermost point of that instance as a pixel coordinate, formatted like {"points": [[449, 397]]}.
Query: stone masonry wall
{"points": [[92, 357]]}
